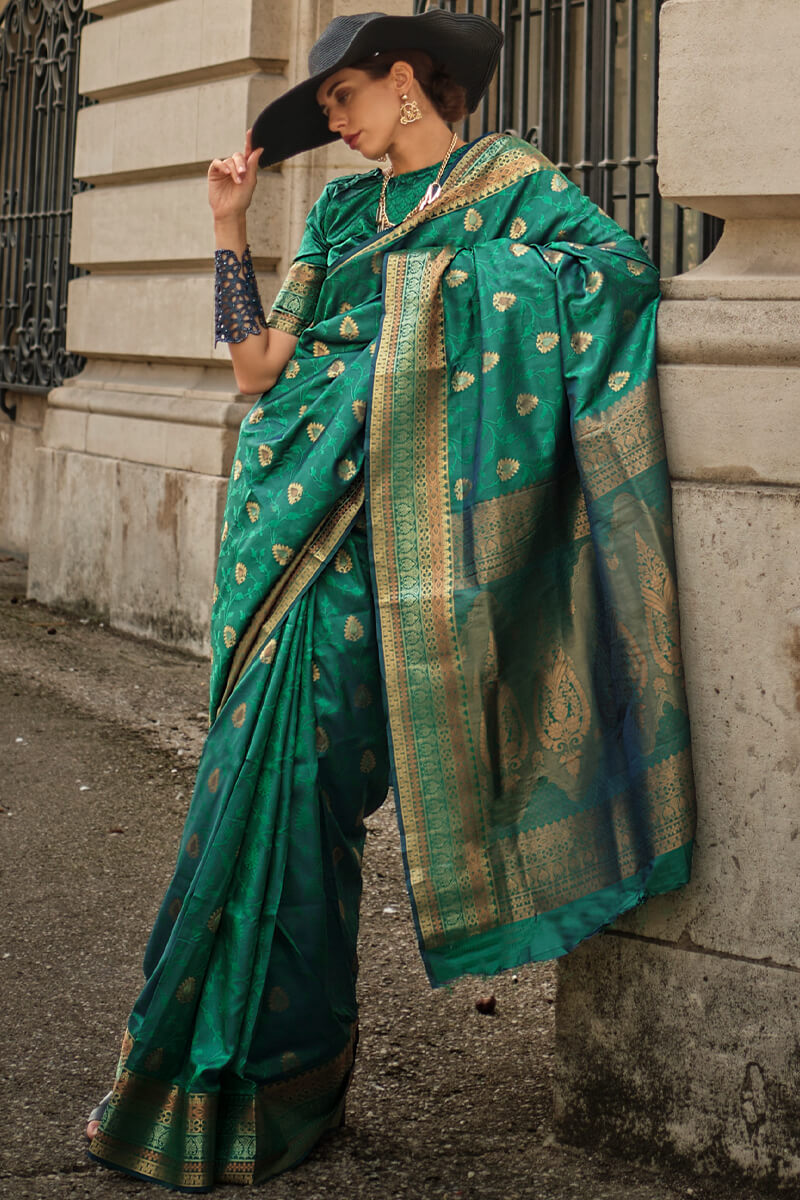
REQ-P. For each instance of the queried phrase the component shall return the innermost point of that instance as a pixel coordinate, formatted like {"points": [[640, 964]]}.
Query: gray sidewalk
{"points": [[99, 737]]}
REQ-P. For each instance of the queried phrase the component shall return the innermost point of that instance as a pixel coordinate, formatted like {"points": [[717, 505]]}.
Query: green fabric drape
{"points": [[476, 388]]}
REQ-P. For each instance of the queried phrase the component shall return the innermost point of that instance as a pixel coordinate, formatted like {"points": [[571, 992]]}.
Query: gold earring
{"points": [[410, 111]]}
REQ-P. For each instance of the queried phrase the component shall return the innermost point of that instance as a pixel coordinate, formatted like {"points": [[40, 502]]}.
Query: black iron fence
{"points": [[39, 103], [579, 79]]}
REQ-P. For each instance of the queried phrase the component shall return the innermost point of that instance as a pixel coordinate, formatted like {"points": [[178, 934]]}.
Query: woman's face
{"points": [[363, 111]]}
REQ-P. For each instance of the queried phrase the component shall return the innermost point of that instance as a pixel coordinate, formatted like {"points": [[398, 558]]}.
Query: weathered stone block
{"points": [[665, 1053], [136, 544], [726, 146]]}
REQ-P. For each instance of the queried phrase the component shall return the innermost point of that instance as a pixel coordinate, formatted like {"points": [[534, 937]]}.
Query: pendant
{"points": [[431, 196]]}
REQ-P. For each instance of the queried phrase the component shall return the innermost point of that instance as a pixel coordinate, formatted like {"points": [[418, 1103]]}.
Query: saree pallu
{"points": [[477, 386]]}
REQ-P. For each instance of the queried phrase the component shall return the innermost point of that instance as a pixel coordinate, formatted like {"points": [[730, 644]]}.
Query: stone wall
{"points": [[679, 1031], [131, 470]]}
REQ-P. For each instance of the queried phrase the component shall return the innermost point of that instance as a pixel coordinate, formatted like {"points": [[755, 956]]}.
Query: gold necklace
{"points": [[432, 193]]}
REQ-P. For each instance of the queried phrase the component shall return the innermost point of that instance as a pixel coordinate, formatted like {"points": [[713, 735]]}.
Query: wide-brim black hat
{"points": [[466, 45]]}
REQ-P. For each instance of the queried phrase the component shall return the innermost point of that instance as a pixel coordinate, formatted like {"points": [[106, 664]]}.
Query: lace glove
{"points": [[237, 304]]}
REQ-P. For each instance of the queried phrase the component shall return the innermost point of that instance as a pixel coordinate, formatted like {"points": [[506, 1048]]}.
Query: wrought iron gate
{"points": [[39, 102], [579, 79]]}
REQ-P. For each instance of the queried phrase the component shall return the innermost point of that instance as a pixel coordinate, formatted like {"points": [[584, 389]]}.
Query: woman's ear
{"points": [[402, 75]]}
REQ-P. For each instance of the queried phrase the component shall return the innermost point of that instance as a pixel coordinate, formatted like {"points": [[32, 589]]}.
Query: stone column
{"points": [[131, 473], [678, 1032]]}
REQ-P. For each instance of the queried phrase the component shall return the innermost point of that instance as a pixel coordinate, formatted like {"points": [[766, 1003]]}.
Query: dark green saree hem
{"points": [[553, 934]]}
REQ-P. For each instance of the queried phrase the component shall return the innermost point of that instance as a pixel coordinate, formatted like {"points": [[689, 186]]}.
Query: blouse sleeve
{"points": [[296, 302]]}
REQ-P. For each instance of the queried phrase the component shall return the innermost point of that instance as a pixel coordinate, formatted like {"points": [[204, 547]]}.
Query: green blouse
{"points": [[343, 218]]}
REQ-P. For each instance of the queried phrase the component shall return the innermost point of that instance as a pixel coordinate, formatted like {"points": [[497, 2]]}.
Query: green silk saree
{"points": [[446, 560]]}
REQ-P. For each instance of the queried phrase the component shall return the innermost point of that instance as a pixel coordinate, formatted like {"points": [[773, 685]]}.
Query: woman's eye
{"points": [[343, 97]]}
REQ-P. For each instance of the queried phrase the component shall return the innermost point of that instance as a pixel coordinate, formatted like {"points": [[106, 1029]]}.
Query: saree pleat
{"points": [[496, 630], [239, 1050]]}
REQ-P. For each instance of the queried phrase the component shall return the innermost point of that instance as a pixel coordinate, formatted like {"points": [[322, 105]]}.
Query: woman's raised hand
{"points": [[232, 181]]}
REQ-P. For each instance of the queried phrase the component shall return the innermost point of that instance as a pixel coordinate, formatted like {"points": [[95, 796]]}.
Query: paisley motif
{"points": [[562, 714], [661, 607]]}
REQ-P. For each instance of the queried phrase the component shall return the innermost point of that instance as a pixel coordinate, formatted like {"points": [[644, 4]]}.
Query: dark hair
{"points": [[448, 97]]}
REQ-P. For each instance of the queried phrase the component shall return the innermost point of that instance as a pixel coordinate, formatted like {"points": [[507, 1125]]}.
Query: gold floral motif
{"points": [[581, 341], [376, 262], [185, 991], [554, 257], [154, 1059], [255, 416], [545, 342], [635, 268], [462, 380], [367, 763], [618, 379], [229, 636], [224, 532], [607, 245], [346, 469], [215, 594], [278, 1000], [562, 714], [265, 455], [472, 220], [526, 403], [193, 846], [348, 329], [321, 740], [558, 183], [240, 572], [661, 607], [518, 228], [175, 908], [359, 408], [289, 1061], [456, 277], [213, 779], [253, 511], [346, 306], [268, 653], [342, 562], [302, 410], [239, 716], [214, 920], [336, 368], [353, 629], [314, 429], [518, 249], [363, 696], [507, 468], [293, 370], [373, 347], [282, 553], [594, 281], [503, 301], [237, 468], [294, 492], [319, 350], [461, 487], [577, 245]]}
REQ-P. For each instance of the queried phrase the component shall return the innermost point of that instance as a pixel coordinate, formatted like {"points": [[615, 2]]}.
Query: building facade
{"points": [[679, 1030]]}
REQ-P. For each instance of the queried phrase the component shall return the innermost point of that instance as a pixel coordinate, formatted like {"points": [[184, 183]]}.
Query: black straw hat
{"points": [[465, 44]]}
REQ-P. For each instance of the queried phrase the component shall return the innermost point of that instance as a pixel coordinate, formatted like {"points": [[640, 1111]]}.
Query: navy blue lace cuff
{"points": [[237, 305]]}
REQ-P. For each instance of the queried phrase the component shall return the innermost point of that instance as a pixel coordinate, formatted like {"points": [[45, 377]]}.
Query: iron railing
{"points": [[39, 103], [579, 79]]}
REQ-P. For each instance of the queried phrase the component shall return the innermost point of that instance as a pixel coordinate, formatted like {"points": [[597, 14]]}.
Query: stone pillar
{"points": [[131, 472], [678, 1032]]}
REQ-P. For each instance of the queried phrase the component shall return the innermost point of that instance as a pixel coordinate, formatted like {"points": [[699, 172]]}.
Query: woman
{"points": [[445, 562]]}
